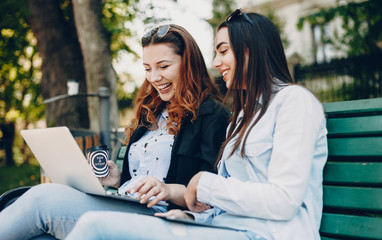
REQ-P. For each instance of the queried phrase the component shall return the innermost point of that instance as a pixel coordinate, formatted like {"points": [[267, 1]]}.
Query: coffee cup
{"points": [[97, 157]]}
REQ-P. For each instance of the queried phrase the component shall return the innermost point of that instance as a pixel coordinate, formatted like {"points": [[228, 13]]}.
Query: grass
{"points": [[17, 176]]}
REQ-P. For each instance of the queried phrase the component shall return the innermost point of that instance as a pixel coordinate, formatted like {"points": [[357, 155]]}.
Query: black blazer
{"points": [[196, 146]]}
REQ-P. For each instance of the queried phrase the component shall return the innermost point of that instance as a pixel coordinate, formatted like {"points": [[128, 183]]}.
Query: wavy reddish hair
{"points": [[194, 87]]}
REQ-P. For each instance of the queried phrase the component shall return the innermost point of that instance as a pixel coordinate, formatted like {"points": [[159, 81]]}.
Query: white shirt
{"points": [[150, 155], [276, 191]]}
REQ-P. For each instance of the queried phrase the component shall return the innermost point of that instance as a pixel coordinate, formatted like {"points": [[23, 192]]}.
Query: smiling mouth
{"points": [[164, 87]]}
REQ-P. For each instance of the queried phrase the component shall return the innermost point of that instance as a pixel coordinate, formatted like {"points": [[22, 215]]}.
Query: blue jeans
{"points": [[54, 209], [113, 225]]}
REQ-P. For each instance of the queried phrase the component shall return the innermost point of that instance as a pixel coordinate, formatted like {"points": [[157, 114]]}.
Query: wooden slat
{"points": [[354, 107], [353, 172], [96, 139], [363, 146], [365, 125], [88, 142], [351, 226], [80, 142], [353, 198]]}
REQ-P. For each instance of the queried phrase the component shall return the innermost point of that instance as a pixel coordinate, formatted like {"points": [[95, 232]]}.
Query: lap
{"points": [[112, 225], [56, 197], [54, 209]]}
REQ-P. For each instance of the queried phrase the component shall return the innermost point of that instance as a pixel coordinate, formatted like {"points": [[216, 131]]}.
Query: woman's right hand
{"points": [[190, 195], [114, 177]]}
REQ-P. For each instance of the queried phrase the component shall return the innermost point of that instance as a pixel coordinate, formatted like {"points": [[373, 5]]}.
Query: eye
{"points": [[147, 69], [164, 67], [223, 51]]}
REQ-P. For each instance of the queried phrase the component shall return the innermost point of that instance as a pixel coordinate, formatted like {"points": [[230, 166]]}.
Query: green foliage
{"points": [[115, 14], [220, 11], [361, 22], [18, 176], [19, 65], [126, 92]]}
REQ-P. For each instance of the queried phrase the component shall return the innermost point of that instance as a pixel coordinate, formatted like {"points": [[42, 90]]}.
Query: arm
{"points": [[150, 186], [297, 127]]}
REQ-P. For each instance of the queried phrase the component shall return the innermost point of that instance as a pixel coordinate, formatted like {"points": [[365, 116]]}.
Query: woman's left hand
{"points": [[151, 187], [190, 195]]}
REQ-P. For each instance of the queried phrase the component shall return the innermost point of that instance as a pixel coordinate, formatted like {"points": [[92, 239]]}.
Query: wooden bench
{"points": [[353, 173]]}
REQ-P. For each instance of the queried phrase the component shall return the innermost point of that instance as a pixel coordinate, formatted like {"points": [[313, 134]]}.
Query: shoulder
{"points": [[296, 93], [211, 106], [295, 97]]}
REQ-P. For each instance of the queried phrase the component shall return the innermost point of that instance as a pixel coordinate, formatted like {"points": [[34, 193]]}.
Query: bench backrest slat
{"points": [[355, 107], [363, 146], [353, 198], [347, 226], [353, 173], [355, 126]]}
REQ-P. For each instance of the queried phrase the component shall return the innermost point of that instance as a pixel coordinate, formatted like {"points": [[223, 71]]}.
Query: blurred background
{"points": [[333, 47]]}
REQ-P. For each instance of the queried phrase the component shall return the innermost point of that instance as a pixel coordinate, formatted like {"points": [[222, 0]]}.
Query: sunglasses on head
{"points": [[238, 12], [160, 31]]}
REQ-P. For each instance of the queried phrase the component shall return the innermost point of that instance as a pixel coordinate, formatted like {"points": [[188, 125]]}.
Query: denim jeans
{"points": [[112, 225], [53, 209]]}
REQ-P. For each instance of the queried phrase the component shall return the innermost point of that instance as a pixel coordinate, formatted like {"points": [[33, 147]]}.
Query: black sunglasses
{"points": [[161, 31], [239, 12]]}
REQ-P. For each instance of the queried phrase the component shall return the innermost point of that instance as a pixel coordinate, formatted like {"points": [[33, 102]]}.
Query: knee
{"points": [[92, 218], [42, 194], [87, 226]]}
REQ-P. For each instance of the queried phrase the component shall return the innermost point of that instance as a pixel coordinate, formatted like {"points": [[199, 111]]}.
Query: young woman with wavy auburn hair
{"points": [[178, 129], [195, 85]]}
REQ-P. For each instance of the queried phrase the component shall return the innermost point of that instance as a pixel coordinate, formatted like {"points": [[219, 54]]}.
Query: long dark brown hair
{"points": [[194, 86], [266, 63]]}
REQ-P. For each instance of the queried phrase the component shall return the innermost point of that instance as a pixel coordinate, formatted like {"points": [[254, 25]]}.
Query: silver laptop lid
{"points": [[62, 159]]}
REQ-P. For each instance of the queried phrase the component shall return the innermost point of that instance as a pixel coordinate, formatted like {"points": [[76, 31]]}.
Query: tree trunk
{"points": [[95, 47], [62, 60]]}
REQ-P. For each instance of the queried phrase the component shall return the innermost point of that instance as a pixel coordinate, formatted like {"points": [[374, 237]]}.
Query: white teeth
{"points": [[224, 73], [164, 86]]}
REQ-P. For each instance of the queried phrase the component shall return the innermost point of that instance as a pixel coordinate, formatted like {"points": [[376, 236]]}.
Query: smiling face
{"points": [[224, 60], [162, 68]]}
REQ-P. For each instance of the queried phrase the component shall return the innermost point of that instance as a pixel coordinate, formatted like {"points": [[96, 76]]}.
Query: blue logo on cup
{"points": [[97, 157]]}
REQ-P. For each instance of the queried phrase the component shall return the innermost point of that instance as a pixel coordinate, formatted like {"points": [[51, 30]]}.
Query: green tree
{"points": [[19, 66], [20, 98], [361, 22], [40, 51]]}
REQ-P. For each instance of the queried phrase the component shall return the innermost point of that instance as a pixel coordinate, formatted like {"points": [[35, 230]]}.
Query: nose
{"points": [[216, 62], [155, 75]]}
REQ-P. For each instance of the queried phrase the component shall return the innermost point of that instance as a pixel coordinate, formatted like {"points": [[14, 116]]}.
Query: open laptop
{"points": [[63, 161]]}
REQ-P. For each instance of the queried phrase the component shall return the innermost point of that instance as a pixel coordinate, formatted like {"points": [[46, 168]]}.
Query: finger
{"points": [[138, 186], [152, 193], [148, 185], [156, 200], [111, 164]]}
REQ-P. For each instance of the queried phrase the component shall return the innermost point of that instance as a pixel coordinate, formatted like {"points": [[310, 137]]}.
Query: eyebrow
{"points": [[158, 62], [221, 43]]}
